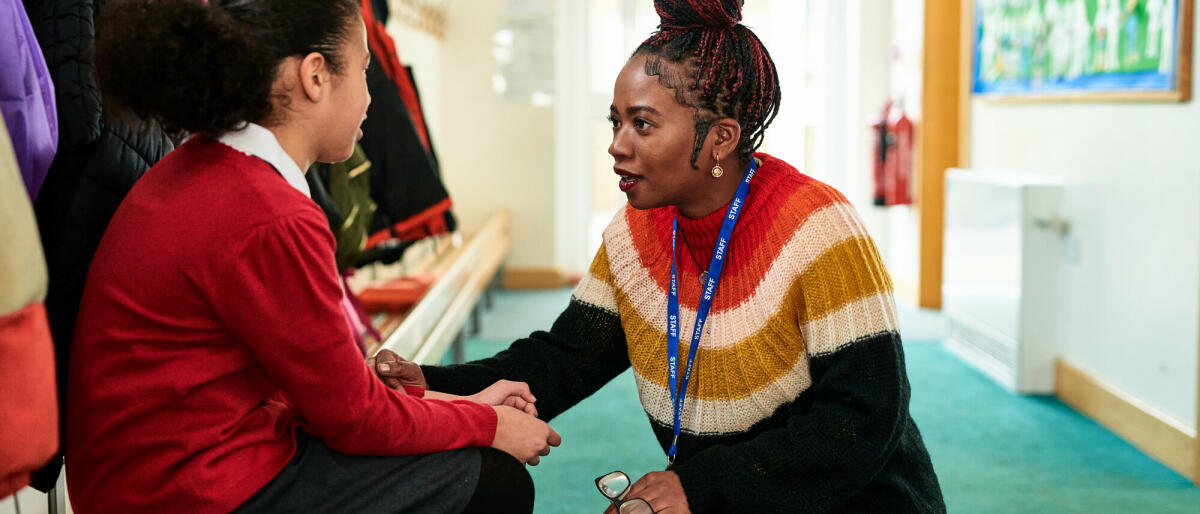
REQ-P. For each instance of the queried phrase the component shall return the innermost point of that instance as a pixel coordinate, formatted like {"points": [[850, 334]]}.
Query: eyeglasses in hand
{"points": [[615, 486]]}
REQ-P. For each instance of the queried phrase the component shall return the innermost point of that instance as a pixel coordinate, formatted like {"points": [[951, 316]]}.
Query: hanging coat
{"points": [[99, 158], [412, 201], [26, 97], [28, 407], [405, 180], [343, 191], [375, 16]]}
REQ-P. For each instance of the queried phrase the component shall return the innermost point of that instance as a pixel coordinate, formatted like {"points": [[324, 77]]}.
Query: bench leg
{"points": [[458, 349], [493, 285], [56, 500], [476, 323]]}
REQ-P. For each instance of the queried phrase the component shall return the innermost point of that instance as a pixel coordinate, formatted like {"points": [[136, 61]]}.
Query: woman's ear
{"points": [[728, 132], [314, 76]]}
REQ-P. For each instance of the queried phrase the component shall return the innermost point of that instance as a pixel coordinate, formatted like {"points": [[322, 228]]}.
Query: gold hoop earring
{"points": [[717, 171]]}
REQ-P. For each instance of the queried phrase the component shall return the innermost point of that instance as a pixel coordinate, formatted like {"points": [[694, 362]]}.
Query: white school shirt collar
{"points": [[259, 142]]}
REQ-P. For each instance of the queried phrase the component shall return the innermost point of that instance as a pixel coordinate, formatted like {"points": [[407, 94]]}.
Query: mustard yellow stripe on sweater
{"points": [[600, 268], [720, 374], [846, 272], [843, 295], [596, 288]]}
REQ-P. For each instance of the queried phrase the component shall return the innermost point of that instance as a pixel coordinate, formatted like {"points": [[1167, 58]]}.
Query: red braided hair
{"points": [[725, 70]]}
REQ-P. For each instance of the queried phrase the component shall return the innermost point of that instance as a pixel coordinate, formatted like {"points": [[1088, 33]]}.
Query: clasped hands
{"points": [[518, 430], [396, 373]]}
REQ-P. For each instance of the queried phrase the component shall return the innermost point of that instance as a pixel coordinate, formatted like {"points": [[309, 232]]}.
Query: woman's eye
{"points": [[641, 124], [613, 120]]}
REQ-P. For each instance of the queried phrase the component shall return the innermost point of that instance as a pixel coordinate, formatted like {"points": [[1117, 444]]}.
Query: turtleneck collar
{"points": [[698, 236]]}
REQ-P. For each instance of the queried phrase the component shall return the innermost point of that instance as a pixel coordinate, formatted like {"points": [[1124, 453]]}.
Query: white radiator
{"points": [[1000, 274]]}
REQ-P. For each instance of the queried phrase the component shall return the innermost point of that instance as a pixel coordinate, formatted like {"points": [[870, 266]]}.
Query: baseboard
{"points": [[534, 278], [984, 363], [1162, 439]]}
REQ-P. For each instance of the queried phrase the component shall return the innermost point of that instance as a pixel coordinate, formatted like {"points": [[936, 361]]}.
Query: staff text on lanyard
{"points": [[678, 394]]}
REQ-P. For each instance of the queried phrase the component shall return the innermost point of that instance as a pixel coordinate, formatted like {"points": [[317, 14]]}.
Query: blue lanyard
{"points": [[710, 288]]}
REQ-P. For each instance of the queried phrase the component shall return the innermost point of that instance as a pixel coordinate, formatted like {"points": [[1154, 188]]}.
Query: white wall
{"points": [[860, 54], [1131, 266], [494, 154], [783, 27], [900, 245], [573, 249]]}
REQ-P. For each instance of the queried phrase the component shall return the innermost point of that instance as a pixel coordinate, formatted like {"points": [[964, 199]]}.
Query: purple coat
{"points": [[26, 96]]}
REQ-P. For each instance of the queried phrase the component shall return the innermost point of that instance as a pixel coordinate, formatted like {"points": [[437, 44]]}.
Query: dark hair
{"points": [[209, 66], [723, 71]]}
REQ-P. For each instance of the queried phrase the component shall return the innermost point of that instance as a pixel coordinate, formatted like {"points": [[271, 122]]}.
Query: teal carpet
{"points": [[993, 451]]}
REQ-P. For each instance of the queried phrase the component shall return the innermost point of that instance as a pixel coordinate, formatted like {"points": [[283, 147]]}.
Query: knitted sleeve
{"points": [[584, 349], [843, 429]]}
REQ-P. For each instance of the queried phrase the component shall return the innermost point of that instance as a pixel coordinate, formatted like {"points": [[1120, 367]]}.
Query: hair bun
{"points": [[690, 14]]}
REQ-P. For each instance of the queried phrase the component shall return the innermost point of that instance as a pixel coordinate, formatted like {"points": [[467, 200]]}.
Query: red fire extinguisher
{"points": [[892, 155]]}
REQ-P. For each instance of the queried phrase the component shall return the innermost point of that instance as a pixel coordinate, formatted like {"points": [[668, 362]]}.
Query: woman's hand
{"points": [[507, 392], [663, 491], [525, 437], [395, 372]]}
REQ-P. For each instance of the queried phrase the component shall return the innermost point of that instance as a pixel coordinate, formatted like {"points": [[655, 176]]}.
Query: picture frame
{"points": [[1081, 50]]}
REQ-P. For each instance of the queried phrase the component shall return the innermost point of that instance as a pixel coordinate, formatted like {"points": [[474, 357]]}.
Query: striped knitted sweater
{"points": [[798, 401]]}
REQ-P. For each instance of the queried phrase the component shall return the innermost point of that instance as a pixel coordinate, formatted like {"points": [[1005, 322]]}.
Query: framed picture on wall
{"points": [[1086, 50]]}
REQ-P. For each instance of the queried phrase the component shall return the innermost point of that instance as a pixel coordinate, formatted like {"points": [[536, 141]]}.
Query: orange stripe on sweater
{"points": [[754, 248]]}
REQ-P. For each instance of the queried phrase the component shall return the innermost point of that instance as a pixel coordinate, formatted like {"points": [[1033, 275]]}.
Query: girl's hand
{"points": [[507, 392]]}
